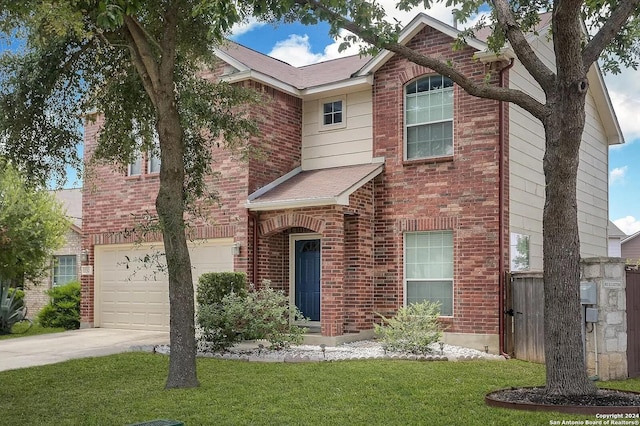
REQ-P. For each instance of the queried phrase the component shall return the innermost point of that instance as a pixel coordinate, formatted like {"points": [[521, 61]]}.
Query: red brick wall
{"points": [[459, 193], [113, 202], [358, 260]]}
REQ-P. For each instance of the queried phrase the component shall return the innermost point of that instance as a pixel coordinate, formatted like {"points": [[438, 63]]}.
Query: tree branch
{"points": [[505, 94], [608, 31], [141, 68], [518, 97], [168, 45], [538, 70], [143, 57]]}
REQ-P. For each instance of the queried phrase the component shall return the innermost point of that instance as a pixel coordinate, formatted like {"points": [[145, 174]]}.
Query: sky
{"points": [[301, 45]]}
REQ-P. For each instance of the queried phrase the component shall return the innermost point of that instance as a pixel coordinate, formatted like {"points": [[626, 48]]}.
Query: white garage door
{"points": [[130, 295]]}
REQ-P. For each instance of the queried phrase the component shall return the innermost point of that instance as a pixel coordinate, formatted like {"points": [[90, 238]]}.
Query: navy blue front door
{"points": [[307, 268]]}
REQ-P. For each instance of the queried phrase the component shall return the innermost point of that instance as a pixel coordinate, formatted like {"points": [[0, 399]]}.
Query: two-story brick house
{"points": [[382, 184]]}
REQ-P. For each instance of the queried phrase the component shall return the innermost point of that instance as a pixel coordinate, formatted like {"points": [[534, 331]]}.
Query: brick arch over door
{"points": [[285, 221]]}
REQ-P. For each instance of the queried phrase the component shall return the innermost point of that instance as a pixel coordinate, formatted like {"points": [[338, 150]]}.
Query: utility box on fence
{"points": [[588, 294]]}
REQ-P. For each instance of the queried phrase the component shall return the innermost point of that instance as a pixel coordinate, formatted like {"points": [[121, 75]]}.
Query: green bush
{"points": [[19, 295], [413, 329], [214, 286], [64, 309], [12, 309], [262, 314]]}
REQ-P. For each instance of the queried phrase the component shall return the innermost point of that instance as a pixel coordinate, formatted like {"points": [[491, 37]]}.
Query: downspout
{"points": [[501, 227], [254, 244]]}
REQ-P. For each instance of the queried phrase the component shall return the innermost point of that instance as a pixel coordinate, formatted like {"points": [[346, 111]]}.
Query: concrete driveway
{"points": [[89, 342]]}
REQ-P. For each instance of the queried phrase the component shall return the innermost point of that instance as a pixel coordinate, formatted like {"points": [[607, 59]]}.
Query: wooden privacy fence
{"points": [[525, 305], [633, 322]]}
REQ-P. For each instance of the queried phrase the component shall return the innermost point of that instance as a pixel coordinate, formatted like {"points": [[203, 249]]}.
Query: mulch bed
{"points": [[604, 397], [535, 399]]}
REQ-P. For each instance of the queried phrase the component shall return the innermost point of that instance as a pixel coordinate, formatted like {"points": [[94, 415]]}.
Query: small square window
{"points": [[332, 113]]}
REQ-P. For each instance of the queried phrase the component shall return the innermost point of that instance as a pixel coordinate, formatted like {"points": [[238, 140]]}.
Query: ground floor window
{"points": [[64, 270], [428, 268]]}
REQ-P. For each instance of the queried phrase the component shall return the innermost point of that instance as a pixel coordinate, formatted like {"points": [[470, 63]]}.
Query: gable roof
{"points": [[356, 71], [249, 62], [321, 187], [614, 232]]}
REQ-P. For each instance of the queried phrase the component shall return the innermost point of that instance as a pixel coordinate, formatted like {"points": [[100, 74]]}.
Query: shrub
{"points": [[412, 330], [12, 309], [214, 286], [262, 314], [64, 309]]}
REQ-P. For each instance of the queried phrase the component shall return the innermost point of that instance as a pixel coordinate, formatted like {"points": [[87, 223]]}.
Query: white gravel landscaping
{"points": [[366, 349]]}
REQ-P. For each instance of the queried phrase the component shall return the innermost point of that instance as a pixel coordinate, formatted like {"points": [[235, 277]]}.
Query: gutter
{"points": [[501, 228]]}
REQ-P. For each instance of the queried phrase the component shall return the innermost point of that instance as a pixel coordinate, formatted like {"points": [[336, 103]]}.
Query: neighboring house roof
{"points": [[71, 200], [614, 232], [314, 187], [629, 238]]}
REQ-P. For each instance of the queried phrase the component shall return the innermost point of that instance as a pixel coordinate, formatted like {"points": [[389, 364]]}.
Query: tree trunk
{"points": [[564, 354], [170, 207]]}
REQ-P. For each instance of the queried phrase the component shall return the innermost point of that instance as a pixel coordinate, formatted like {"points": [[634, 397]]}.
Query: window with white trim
{"points": [[150, 158], [428, 268], [428, 118], [332, 113], [135, 168], [154, 157], [64, 270]]}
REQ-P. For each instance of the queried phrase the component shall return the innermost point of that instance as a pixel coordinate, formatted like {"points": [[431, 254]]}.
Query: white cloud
{"points": [[245, 26], [628, 224], [617, 174], [296, 49]]}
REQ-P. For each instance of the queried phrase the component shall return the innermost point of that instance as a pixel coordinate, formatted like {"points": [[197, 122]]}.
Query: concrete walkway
{"points": [[44, 349]]}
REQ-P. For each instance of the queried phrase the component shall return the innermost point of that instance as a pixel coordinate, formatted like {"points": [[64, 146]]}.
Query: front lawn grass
{"points": [[18, 330], [129, 388]]}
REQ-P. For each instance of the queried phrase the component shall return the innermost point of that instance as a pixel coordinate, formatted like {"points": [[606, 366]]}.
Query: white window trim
{"points": [[56, 260], [341, 125], [405, 127], [404, 271]]}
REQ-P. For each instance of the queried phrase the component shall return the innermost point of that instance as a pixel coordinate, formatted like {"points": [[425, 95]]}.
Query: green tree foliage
{"points": [[138, 63], [613, 36], [32, 225]]}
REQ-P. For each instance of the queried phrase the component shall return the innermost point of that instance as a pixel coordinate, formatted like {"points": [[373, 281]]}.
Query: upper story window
{"points": [[332, 113], [154, 161], [150, 158], [135, 168], [429, 118]]}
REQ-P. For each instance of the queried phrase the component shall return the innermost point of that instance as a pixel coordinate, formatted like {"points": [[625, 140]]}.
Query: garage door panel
{"points": [[131, 295]]}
